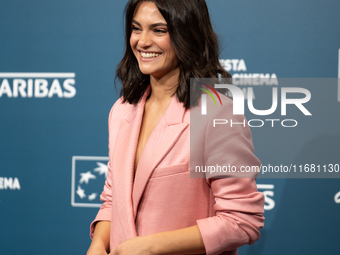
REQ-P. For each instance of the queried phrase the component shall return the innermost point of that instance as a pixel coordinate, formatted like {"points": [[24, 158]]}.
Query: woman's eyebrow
{"points": [[158, 24], [152, 25], [136, 22]]}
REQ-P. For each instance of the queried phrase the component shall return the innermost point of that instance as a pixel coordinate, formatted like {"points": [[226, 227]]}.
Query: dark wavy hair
{"points": [[195, 44]]}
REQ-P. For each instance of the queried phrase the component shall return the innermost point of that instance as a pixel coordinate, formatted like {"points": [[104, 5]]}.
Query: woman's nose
{"points": [[144, 40]]}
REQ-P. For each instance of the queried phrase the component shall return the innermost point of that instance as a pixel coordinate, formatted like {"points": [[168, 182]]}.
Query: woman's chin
{"points": [[150, 72]]}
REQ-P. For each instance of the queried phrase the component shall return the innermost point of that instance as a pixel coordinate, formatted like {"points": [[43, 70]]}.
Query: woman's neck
{"points": [[163, 88]]}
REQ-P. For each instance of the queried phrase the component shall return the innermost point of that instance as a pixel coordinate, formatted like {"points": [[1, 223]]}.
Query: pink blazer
{"points": [[163, 197]]}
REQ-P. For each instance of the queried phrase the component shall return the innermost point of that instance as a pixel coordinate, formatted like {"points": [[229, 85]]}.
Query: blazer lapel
{"points": [[159, 143], [123, 158]]}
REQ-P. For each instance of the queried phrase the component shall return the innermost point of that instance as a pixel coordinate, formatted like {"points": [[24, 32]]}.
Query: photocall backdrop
{"points": [[57, 67]]}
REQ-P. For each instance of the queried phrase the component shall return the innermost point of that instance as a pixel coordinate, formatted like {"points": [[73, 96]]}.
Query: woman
{"points": [[151, 205]]}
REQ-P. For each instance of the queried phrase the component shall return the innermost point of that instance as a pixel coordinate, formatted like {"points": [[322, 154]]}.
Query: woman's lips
{"points": [[149, 56]]}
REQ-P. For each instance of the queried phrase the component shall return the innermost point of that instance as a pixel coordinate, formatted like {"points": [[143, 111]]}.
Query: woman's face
{"points": [[150, 41]]}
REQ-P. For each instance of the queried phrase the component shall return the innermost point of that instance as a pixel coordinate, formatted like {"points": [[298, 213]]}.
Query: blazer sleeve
{"points": [[105, 211], [238, 205]]}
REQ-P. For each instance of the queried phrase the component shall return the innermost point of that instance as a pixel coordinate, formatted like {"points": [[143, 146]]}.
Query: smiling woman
{"points": [[151, 205], [193, 40], [151, 43]]}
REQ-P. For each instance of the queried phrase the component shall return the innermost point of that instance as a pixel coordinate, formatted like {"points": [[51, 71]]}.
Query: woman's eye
{"points": [[160, 31], [134, 28]]}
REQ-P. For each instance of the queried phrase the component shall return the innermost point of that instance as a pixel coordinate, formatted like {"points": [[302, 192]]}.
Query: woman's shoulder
{"points": [[120, 108], [121, 104]]}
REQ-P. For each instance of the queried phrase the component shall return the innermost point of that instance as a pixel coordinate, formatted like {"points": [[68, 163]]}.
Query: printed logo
{"points": [[204, 97], [238, 100], [238, 68], [9, 183], [241, 76], [239, 104], [37, 85], [268, 192], [337, 198], [88, 178]]}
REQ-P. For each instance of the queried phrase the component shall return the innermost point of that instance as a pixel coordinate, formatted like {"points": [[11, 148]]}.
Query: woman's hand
{"points": [[101, 239], [181, 241], [140, 245]]}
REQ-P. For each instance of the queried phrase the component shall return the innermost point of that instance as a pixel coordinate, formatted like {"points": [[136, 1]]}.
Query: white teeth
{"points": [[149, 55]]}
